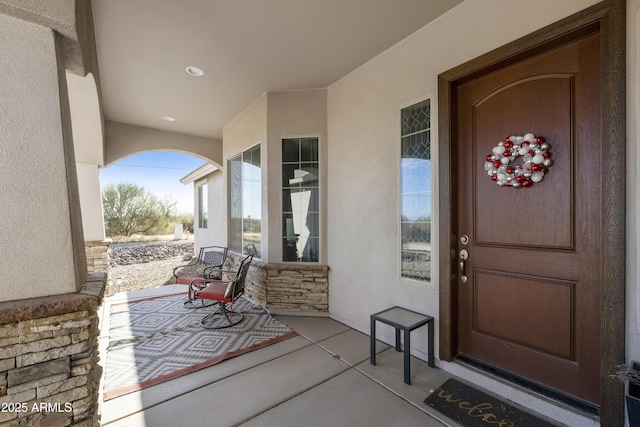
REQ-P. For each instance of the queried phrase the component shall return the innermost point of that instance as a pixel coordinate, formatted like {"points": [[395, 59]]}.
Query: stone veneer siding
{"points": [[286, 288], [97, 256], [49, 372]]}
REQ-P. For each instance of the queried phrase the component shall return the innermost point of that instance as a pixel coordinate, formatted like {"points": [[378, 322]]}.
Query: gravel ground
{"points": [[136, 266]]}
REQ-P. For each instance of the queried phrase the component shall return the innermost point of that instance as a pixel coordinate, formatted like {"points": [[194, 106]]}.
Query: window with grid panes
{"points": [[300, 200], [415, 184]]}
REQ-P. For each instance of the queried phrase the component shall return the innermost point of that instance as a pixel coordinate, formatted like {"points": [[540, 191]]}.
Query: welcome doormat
{"points": [[158, 339], [473, 408]]}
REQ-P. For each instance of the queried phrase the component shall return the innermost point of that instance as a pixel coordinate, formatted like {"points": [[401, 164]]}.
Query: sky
{"points": [[159, 173]]}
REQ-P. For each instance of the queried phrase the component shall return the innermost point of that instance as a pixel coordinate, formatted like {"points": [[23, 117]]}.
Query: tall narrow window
{"points": [[203, 205], [300, 200], [245, 207], [415, 179]]}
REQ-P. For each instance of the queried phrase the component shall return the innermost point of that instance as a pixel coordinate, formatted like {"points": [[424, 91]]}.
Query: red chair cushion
{"points": [[187, 280], [214, 291]]}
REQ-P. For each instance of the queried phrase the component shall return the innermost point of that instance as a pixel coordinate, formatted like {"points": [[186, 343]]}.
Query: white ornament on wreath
{"points": [[536, 160]]}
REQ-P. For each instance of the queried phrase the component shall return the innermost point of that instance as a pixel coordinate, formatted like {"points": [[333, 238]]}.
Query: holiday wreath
{"points": [[536, 160]]}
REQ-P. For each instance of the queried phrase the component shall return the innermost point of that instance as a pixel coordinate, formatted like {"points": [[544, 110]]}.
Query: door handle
{"points": [[464, 255]]}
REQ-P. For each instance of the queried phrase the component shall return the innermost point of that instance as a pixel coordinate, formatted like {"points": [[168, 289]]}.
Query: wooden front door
{"points": [[531, 303]]}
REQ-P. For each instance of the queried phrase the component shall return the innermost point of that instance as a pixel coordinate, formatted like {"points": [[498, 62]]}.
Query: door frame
{"points": [[610, 15]]}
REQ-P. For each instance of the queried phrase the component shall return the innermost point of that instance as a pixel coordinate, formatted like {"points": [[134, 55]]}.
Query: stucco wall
{"points": [[363, 152], [243, 132], [122, 140], [39, 228], [71, 19], [293, 114], [216, 232], [276, 115], [86, 119]]}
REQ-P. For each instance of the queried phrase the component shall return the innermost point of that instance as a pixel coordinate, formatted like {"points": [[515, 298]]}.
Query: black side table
{"points": [[405, 320]]}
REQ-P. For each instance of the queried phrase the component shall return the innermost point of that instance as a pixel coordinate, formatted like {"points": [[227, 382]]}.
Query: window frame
{"points": [[202, 197], [429, 283], [240, 156], [319, 187]]}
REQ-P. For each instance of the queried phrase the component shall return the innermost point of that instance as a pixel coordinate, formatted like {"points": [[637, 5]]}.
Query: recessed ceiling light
{"points": [[195, 71], [169, 118]]}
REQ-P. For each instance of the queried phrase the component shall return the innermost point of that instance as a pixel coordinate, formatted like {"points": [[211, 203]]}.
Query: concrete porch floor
{"points": [[320, 377]]}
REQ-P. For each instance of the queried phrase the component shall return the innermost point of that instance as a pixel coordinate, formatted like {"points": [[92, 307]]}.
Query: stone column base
{"points": [[286, 288], [97, 256], [49, 372]]}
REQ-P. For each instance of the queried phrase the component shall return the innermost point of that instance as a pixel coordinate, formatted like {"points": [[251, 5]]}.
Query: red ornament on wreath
{"points": [[536, 160]]}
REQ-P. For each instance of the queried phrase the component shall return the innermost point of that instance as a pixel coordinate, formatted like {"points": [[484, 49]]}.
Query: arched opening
{"points": [[159, 172]]}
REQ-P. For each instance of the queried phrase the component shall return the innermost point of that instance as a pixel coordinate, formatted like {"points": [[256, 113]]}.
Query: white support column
{"points": [[88, 149], [41, 231], [90, 202]]}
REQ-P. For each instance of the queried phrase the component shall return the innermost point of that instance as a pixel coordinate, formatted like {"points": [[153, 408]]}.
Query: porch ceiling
{"points": [[245, 47]]}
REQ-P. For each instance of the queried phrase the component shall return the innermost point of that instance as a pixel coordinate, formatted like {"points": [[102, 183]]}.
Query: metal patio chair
{"points": [[224, 294], [207, 266]]}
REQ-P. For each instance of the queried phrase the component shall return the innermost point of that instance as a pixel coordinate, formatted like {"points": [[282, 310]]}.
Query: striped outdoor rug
{"points": [[158, 339]]}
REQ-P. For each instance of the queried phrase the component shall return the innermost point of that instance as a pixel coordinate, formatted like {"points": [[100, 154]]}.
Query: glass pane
{"points": [[415, 183], [251, 200], [290, 150], [252, 156], [417, 146], [304, 200], [416, 188], [288, 174], [416, 118], [308, 172], [416, 263], [235, 203], [295, 250], [251, 235], [314, 200], [309, 149], [287, 225], [312, 222], [245, 201], [300, 199], [416, 207], [253, 248], [286, 201], [289, 250], [235, 238], [203, 215], [311, 250], [416, 234]]}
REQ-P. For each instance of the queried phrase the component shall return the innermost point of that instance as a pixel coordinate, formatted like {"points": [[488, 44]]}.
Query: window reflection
{"points": [[203, 212], [245, 204], [415, 187]]}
